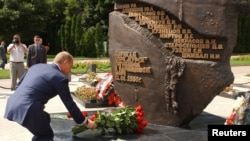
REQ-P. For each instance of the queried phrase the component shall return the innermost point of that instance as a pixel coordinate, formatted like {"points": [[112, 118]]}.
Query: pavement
{"points": [[215, 113]]}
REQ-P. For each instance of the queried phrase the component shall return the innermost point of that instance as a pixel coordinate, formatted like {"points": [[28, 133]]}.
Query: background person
{"points": [[34, 90], [3, 57], [17, 51], [37, 52]]}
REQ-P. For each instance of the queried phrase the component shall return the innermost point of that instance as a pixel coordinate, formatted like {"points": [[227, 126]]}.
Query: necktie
{"points": [[38, 53]]}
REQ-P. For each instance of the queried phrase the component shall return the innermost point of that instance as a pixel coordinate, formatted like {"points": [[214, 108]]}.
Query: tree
{"points": [[88, 43], [243, 38], [99, 41], [86, 20], [61, 23], [24, 17], [77, 37], [54, 24]]}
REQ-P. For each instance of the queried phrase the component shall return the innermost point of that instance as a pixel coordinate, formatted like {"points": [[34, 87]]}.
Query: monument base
{"points": [[93, 103], [62, 130]]}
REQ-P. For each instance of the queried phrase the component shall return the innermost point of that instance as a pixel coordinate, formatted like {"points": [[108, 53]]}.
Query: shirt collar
{"points": [[57, 66]]}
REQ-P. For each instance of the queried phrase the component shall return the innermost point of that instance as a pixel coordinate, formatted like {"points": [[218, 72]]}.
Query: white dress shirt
{"points": [[17, 54]]}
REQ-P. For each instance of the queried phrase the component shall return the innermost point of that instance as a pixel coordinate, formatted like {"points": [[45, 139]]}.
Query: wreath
{"points": [[241, 111]]}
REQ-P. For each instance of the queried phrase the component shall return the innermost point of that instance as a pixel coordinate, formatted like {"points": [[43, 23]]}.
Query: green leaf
{"points": [[78, 129], [119, 130]]}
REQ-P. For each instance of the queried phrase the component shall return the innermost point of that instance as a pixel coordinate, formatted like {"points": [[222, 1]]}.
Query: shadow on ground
{"points": [[203, 120]]}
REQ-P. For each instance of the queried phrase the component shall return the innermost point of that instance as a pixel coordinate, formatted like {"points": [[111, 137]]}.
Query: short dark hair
{"points": [[37, 36]]}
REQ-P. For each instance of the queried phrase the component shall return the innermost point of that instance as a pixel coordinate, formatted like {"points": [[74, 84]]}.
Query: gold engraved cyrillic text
{"points": [[127, 64], [183, 41]]}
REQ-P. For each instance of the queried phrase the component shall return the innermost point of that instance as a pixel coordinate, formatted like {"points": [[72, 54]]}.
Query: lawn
{"points": [[242, 60], [81, 66], [4, 74]]}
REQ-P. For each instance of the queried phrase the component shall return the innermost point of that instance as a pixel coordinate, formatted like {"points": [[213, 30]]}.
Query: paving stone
{"points": [[214, 113]]}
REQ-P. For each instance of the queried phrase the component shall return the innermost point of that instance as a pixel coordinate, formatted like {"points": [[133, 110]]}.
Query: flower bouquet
{"points": [[91, 77], [241, 112], [86, 93], [124, 120], [102, 95]]}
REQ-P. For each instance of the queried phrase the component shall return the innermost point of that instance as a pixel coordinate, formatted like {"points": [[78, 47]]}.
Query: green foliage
{"points": [[99, 41], [23, 17], [53, 25], [243, 60], [78, 26], [77, 35], [4, 74], [103, 65], [88, 21], [80, 65], [88, 43], [60, 23], [84, 67], [243, 38], [64, 25], [67, 36], [125, 120]]}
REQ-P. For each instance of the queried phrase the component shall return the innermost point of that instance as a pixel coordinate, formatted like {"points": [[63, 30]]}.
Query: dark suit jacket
{"points": [[3, 54], [40, 83], [33, 57]]}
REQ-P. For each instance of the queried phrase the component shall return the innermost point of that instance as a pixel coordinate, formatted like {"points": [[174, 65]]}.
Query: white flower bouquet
{"points": [[241, 111]]}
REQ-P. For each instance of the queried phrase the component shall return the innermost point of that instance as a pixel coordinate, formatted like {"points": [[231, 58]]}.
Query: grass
{"points": [[241, 60], [240, 63], [78, 68], [83, 71], [5, 74]]}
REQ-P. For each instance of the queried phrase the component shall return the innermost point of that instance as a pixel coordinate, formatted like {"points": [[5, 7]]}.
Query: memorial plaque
{"points": [[172, 57]]}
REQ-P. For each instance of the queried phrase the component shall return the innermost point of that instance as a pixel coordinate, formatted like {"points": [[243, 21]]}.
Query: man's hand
{"points": [[90, 124]]}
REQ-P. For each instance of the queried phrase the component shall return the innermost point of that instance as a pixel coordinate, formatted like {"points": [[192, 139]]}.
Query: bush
{"points": [[84, 67], [242, 60]]}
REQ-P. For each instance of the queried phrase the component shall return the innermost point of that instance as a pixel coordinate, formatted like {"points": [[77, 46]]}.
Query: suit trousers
{"points": [[16, 71], [2, 64], [37, 121]]}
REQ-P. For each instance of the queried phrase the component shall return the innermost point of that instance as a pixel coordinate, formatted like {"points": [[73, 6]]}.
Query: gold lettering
{"points": [[181, 40], [133, 5], [130, 62]]}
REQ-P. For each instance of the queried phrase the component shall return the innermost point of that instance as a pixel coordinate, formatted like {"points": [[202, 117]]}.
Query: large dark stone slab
{"points": [[172, 57], [152, 132]]}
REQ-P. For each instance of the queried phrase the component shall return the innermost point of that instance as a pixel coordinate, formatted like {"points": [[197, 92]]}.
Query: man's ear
{"points": [[65, 61]]}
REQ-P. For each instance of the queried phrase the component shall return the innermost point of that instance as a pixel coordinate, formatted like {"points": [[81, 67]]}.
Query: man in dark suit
{"points": [[37, 52], [34, 90], [3, 58]]}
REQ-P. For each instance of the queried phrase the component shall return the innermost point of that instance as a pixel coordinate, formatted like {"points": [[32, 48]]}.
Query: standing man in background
{"points": [[37, 53], [17, 51], [3, 57]]}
